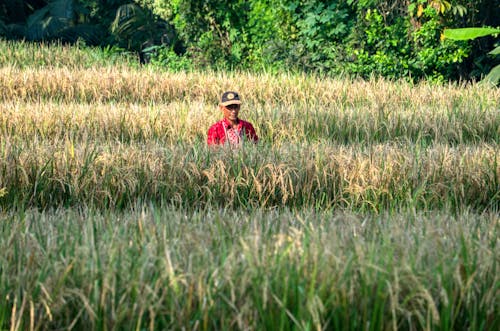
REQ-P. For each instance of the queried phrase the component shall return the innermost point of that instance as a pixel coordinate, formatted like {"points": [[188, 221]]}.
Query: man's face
{"points": [[231, 112]]}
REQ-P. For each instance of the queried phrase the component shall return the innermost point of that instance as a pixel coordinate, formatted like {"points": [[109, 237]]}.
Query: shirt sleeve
{"points": [[250, 132], [212, 138]]}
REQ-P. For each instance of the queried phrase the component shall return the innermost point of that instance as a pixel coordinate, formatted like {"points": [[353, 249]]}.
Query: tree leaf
{"points": [[420, 10], [86, 32], [496, 51], [469, 33], [494, 76], [37, 17]]}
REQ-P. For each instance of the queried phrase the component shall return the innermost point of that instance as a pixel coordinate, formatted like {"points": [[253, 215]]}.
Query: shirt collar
{"points": [[227, 124]]}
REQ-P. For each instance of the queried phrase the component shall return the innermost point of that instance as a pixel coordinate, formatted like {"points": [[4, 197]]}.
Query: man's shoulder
{"points": [[246, 124], [215, 126]]}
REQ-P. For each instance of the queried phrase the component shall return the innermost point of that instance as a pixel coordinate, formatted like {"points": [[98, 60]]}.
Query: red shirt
{"points": [[217, 134]]}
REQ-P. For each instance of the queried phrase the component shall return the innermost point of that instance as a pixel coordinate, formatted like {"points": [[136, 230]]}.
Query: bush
{"points": [[165, 57]]}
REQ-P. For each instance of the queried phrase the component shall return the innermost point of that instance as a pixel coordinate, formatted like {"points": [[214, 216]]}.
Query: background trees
{"points": [[94, 22], [392, 38]]}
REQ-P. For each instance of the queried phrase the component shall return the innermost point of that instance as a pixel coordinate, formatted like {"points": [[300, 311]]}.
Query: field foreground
{"points": [[160, 268], [366, 204]]}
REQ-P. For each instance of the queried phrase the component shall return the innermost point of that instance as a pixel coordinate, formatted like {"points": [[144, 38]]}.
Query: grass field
{"points": [[366, 205]]}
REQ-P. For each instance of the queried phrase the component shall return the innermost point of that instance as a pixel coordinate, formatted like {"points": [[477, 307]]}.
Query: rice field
{"points": [[366, 205]]}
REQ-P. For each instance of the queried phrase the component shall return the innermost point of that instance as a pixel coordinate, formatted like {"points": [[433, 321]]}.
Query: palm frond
{"points": [[62, 8], [47, 22], [128, 18], [86, 32]]}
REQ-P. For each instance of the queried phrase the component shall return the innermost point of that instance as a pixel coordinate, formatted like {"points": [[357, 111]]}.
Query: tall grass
{"points": [[144, 104], [324, 143], [187, 121], [25, 55], [167, 269], [317, 175], [147, 85], [366, 204]]}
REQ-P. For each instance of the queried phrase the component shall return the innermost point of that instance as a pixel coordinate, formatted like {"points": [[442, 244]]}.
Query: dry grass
{"points": [[187, 121], [316, 175], [366, 204], [164, 269], [146, 86], [324, 143], [25, 55]]}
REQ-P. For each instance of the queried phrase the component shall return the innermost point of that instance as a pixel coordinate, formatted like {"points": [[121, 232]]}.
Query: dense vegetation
{"points": [[394, 39], [163, 269], [367, 204]]}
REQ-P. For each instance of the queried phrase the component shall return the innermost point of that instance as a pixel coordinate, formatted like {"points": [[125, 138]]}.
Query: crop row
{"points": [[316, 175], [154, 268]]}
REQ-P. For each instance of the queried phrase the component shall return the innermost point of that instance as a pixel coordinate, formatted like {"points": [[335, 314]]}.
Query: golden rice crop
{"points": [[187, 121], [366, 204], [23, 54], [315, 175], [112, 136], [147, 85]]}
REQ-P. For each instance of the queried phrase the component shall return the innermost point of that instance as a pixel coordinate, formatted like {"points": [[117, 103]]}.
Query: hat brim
{"points": [[231, 102]]}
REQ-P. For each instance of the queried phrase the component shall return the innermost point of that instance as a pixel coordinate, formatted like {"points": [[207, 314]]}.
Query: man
{"points": [[231, 130]]}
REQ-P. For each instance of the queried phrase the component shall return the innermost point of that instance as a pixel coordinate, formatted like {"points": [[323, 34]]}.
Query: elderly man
{"points": [[231, 130]]}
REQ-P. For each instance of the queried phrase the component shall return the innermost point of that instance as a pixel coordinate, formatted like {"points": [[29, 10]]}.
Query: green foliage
{"points": [[469, 33], [211, 30], [48, 20], [493, 76], [403, 46], [321, 27], [355, 37], [106, 23], [136, 28], [165, 58], [472, 33], [433, 57], [376, 48]]}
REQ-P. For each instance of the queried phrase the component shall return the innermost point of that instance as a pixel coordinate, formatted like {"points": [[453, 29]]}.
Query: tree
{"points": [[96, 22], [138, 29], [472, 33]]}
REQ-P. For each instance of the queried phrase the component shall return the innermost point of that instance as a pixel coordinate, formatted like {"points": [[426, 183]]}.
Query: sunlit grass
{"points": [[26, 55], [366, 204], [186, 121], [172, 269], [320, 175], [146, 85]]}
